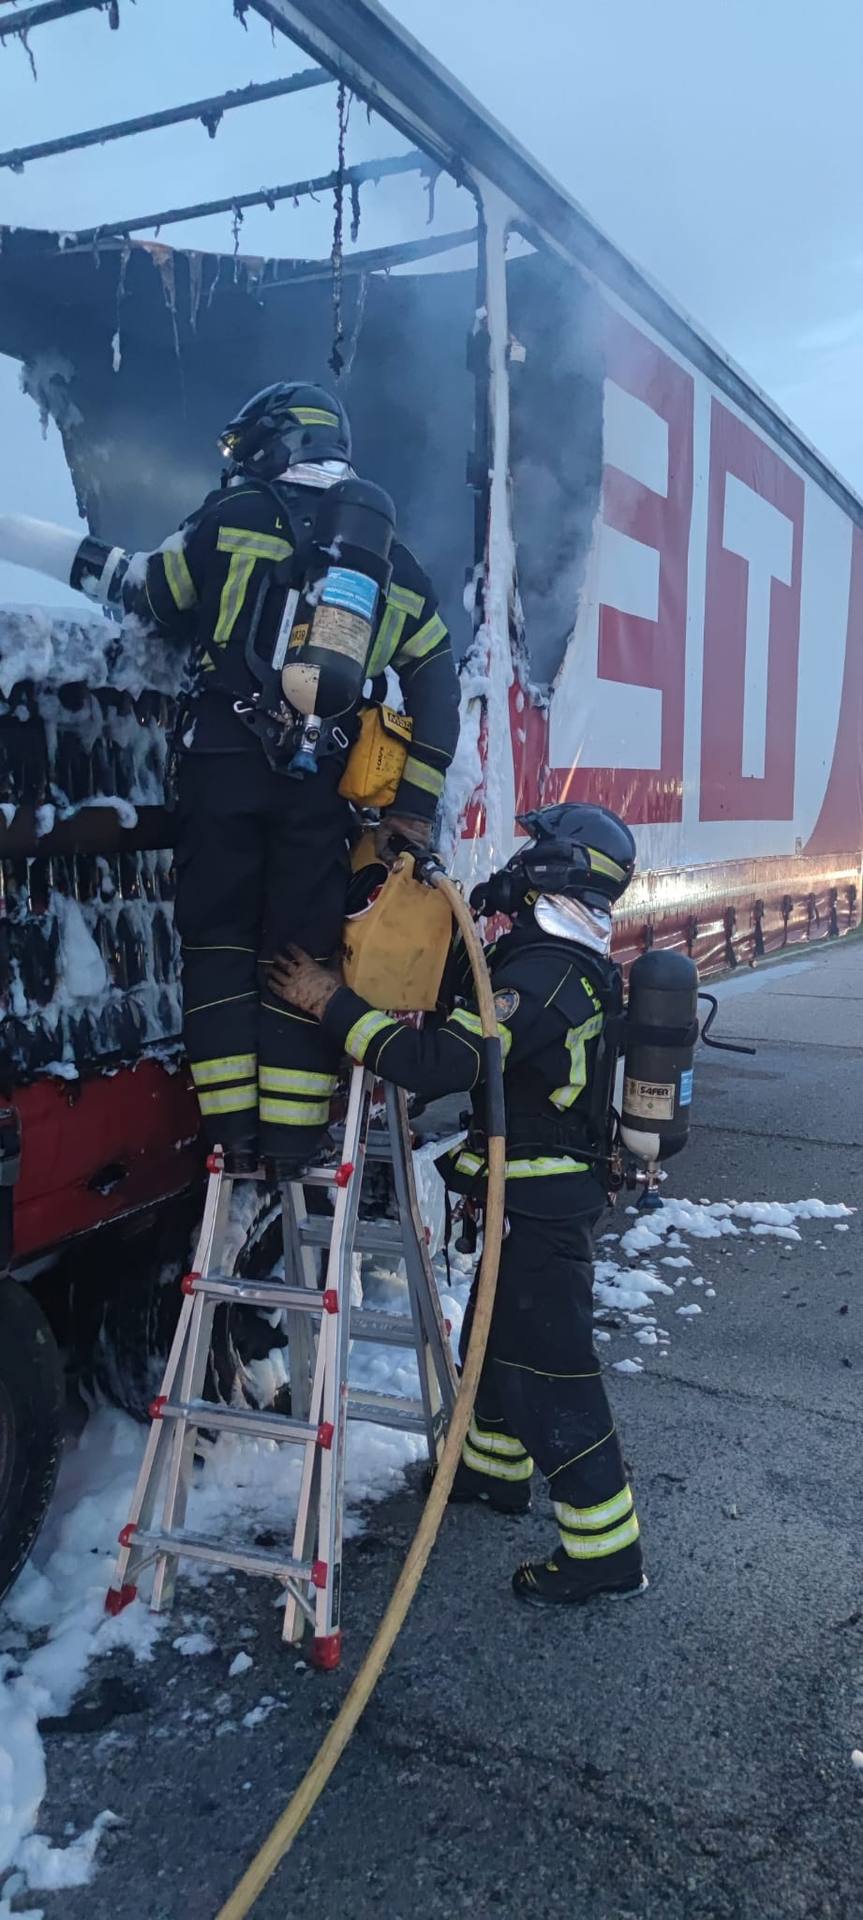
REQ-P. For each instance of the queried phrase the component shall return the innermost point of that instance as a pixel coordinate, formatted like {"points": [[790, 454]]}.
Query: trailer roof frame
{"points": [[363, 45], [209, 111], [360, 44], [364, 171], [48, 11]]}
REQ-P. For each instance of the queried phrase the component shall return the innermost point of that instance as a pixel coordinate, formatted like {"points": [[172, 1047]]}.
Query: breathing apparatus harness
{"points": [[327, 596], [654, 1030]]}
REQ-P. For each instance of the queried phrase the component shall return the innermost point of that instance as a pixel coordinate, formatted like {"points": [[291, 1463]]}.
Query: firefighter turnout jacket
{"points": [[541, 1397], [202, 586], [262, 859], [556, 1008]]}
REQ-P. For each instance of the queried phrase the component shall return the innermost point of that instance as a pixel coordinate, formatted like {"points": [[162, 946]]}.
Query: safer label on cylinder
{"points": [[649, 1099], [356, 592]]}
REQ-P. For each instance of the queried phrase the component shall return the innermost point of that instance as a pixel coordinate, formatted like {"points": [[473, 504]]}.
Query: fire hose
{"points": [[302, 1801]]}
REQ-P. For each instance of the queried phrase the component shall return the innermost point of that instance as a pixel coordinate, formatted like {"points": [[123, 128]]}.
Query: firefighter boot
{"points": [[562, 1581], [242, 1158]]}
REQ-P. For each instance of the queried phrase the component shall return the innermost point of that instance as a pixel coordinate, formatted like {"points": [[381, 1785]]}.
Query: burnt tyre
{"points": [[32, 1400], [127, 1300]]}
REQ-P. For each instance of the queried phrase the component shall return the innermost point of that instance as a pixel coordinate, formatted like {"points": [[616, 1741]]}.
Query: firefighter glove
{"points": [[395, 829], [295, 976]]}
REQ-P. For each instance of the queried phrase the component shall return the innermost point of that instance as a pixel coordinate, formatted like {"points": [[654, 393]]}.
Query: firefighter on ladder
{"points": [[262, 859], [558, 999]]}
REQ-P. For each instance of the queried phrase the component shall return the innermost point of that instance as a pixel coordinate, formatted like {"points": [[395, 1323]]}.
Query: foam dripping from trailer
{"points": [[482, 771]]}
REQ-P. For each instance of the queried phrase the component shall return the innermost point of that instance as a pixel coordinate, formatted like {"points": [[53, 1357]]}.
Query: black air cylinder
{"points": [[660, 1035], [323, 665]]}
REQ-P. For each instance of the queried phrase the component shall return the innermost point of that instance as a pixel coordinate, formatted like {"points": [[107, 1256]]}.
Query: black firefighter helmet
{"points": [[576, 849], [283, 426]]}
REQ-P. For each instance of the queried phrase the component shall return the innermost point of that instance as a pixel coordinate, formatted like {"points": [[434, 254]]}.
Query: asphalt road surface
{"points": [[685, 1755]]}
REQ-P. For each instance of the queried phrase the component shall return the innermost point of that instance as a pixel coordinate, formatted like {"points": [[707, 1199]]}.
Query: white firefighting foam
{"points": [[53, 1624]]}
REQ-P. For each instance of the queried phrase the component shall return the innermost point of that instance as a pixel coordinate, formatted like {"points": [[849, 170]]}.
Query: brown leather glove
{"points": [[402, 826], [295, 976]]}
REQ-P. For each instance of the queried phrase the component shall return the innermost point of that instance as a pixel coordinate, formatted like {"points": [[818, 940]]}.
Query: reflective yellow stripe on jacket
{"points": [[400, 603], [472, 1022], [245, 548], [417, 774], [576, 1045], [361, 1034], [538, 1169], [179, 581]]}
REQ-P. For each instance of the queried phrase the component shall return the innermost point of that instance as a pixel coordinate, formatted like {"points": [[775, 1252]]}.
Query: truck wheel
{"points": [[31, 1424], [126, 1299]]}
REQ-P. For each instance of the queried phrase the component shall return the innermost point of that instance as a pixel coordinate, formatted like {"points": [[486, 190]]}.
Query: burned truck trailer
{"points": [[654, 584]]}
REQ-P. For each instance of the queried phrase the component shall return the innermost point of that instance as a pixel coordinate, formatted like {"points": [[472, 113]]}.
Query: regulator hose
{"points": [[300, 1805]]}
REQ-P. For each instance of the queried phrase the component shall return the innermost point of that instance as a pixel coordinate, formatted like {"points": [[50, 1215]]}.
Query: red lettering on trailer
{"points": [[635, 650], [840, 822], [751, 626]]}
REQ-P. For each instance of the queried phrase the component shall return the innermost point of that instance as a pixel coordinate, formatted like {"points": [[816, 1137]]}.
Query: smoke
{"points": [[556, 448]]}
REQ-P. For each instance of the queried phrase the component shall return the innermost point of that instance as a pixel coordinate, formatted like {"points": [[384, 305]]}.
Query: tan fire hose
{"points": [[300, 1805]]}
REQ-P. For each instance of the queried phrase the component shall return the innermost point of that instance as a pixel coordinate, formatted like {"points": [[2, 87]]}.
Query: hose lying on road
{"points": [[356, 1700]]}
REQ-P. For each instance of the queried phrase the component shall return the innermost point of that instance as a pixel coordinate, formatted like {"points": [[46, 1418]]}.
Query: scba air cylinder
{"points": [[660, 1035], [333, 619]]}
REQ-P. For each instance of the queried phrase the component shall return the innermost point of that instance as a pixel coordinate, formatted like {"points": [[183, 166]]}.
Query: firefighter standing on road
{"points": [[558, 998], [262, 858]]}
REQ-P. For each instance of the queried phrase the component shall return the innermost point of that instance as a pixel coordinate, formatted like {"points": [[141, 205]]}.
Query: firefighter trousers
{"points": [[541, 1395], [261, 860]]}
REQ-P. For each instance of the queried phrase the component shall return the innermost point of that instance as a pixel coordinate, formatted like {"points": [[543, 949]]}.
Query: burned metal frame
{"points": [[338, 66], [373, 260], [360, 42], [208, 111], [22, 22], [265, 197]]}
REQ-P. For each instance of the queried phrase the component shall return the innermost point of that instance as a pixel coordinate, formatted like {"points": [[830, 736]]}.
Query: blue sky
{"points": [[719, 145]]}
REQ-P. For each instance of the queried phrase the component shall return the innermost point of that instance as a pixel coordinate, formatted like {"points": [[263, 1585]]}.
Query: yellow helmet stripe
{"points": [[600, 863], [315, 417]]}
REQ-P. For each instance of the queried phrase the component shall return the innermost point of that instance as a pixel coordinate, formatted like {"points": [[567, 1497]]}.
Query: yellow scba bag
{"points": [[395, 947], [377, 758]]}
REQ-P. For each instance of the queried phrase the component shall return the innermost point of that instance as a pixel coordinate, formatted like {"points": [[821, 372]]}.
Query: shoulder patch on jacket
{"points": [[505, 1003]]}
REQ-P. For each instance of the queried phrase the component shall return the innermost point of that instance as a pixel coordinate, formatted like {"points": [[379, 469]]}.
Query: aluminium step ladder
{"points": [[320, 1324]]}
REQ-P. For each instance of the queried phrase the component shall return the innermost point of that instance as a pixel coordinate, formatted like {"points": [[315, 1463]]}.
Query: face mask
{"points": [[568, 919], [317, 473]]}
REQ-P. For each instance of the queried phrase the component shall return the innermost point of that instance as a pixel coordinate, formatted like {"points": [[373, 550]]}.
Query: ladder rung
{"points": [[258, 1293], [386, 1410], [248, 1420], [388, 1329], [312, 1177], [370, 1236], [195, 1546]]}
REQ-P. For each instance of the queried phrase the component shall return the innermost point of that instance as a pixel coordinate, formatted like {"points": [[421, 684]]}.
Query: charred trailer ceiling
{"points": [[613, 659], [141, 353]]}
